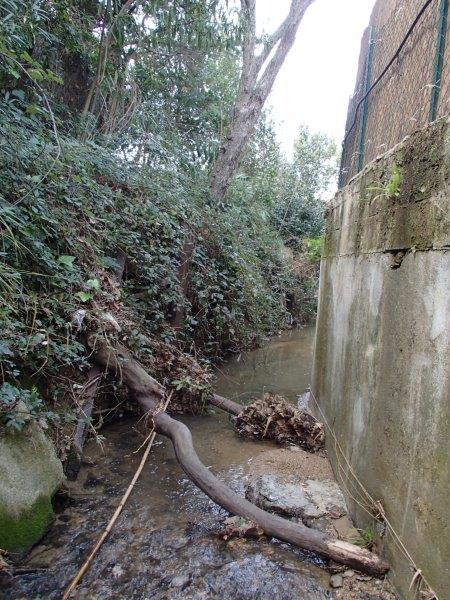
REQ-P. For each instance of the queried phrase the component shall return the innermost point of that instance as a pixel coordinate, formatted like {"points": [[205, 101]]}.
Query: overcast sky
{"points": [[319, 74]]}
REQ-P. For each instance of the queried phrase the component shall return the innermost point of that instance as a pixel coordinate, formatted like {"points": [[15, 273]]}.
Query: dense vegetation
{"points": [[111, 116]]}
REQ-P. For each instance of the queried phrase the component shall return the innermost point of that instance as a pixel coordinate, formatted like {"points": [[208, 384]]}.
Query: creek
{"points": [[165, 543]]}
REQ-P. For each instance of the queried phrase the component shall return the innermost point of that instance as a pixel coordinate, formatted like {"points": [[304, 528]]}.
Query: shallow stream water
{"points": [[165, 543]]}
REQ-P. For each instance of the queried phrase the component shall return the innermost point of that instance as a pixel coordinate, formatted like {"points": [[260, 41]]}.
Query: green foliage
{"points": [[128, 170], [303, 186], [395, 183], [19, 406], [314, 248], [366, 538]]}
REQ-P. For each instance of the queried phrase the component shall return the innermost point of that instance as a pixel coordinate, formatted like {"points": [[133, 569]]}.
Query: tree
{"points": [[259, 71], [302, 186]]}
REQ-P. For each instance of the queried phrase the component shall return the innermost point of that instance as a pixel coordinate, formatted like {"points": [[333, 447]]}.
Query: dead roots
{"points": [[273, 418]]}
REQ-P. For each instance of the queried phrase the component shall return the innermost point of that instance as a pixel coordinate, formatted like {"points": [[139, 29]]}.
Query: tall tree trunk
{"points": [[258, 75], [256, 81]]}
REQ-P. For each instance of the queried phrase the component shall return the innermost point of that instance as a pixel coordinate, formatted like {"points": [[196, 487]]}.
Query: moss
{"points": [[20, 533]]}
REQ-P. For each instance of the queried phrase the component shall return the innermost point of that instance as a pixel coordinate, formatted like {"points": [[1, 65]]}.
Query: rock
{"points": [[43, 557], [336, 581], [254, 576], [180, 581], [270, 493], [178, 542], [117, 571], [348, 573], [322, 524], [30, 473], [313, 499], [241, 528], [327, 496]]}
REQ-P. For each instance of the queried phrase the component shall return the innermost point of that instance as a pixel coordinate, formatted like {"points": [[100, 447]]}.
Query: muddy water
{"points": [[165, 543], [283, 366]]}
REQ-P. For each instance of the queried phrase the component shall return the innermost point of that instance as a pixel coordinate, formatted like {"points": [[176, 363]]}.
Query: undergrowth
{"points": [[63, 217]]}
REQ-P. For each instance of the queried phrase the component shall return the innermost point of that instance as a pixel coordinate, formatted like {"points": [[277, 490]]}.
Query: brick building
{"points": [[403, 79]]}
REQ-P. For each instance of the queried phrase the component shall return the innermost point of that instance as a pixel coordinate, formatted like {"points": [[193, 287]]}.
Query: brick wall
{"points": [[400, 103]]}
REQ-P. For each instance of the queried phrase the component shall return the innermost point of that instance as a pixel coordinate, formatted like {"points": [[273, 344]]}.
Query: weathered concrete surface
{"points": [[30, 473], [381, 367]]}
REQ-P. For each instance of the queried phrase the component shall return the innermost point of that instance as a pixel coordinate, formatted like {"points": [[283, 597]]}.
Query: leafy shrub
{"points": [[19, 407], [314, 248]]}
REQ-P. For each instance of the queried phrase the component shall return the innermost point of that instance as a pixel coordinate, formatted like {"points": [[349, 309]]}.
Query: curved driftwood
{"points": [[149, 393]]}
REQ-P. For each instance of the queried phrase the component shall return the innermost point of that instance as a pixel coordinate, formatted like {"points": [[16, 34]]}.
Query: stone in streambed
{"points": [[311, 499], [336, 581], [30, 473], [348, 573], [180, 581], [271, 493], [327, 496]]}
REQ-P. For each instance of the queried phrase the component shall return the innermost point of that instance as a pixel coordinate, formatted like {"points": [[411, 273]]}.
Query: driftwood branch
{"points": [[86, 399], [149, 393]]}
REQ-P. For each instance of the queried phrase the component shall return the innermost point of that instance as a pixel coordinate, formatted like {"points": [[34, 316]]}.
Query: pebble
{"points": [[336, 581], [180, 581], [178, 542], [348, 573]]}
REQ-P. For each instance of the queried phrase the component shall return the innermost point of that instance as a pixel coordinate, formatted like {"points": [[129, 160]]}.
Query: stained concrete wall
{"points": [[381, 366]]}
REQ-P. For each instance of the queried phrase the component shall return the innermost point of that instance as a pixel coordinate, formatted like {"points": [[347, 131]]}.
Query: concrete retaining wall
{"points": [[381, 367]]}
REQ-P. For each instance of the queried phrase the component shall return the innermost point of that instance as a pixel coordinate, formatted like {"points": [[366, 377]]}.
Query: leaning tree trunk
{"points": [[149, 393], [256, 81]]}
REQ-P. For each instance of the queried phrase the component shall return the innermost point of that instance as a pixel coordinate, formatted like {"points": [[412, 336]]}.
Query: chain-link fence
{"points": [[393, 100]]}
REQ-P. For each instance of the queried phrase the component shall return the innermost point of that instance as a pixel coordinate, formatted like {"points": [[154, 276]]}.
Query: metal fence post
{"points": [[365, 106], [438, 59]]}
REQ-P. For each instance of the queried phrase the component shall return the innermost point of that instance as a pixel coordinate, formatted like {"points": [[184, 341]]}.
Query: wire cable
{"points": [[388, 66]]}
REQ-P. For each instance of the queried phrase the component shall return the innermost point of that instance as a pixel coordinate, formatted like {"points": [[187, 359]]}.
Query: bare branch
{"points": [[286, 33]]}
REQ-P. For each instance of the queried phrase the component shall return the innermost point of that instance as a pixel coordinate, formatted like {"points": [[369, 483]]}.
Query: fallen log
{"points": [[86, 398], [149, 393], [226, 404]]}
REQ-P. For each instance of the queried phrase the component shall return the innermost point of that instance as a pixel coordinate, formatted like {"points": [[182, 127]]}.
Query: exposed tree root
{"points": [[149, 393]]}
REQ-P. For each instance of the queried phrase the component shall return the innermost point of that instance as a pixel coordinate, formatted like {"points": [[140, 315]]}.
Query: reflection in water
{"points": [[281, 367], [165, 544]]}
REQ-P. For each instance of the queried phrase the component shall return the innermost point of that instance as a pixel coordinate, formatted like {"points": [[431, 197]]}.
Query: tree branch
{"points": [[149, 393]]}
